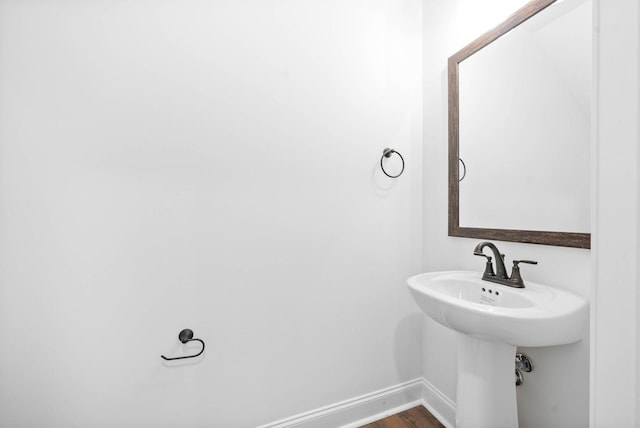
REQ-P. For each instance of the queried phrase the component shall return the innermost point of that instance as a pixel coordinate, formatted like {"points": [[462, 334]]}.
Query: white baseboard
{"points": [[438, 404], [370, 407]]}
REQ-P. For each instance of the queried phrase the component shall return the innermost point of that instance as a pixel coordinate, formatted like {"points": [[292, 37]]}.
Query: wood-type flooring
{"points": [[417, 417]]}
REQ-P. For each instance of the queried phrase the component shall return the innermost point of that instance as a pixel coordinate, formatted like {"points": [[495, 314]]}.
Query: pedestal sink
{"points": [[491, 321]]}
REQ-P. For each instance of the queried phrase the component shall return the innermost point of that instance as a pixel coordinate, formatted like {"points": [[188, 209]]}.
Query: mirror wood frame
{"points": [[562, 239]]}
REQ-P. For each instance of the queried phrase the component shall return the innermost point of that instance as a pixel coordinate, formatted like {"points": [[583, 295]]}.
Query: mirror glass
{"points": [[523, 125]]}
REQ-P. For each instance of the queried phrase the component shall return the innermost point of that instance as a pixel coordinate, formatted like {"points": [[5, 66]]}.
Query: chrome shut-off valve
{"points": [[523, 364]]}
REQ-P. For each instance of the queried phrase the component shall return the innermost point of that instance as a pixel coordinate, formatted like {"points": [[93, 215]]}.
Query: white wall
{"points": [[615, 378], [556, 394], [211, 165]]}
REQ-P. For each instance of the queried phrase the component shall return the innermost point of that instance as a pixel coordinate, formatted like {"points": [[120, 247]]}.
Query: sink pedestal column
{"points": [[486, 390]]}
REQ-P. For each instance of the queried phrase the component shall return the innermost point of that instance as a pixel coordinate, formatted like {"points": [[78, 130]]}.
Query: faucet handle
{"points": [[515, 278], [531, 262], [488, 270]]}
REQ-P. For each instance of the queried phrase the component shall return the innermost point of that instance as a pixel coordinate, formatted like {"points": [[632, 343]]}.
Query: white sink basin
{"points": [[536, 315], [491, 321]]}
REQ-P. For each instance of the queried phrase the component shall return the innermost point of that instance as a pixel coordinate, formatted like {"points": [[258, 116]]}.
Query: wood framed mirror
{"points": [[519, 117]]}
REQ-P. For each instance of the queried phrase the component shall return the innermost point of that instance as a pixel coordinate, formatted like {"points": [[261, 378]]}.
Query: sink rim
{"points": [[533, 292]]}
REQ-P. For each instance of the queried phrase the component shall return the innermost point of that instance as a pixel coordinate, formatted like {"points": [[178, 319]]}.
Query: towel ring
{"points": [[386, 153], [464, 173], [185, 336]]}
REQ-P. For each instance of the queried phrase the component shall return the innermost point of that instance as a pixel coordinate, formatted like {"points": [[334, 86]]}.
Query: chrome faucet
{"points": [[500, 276]]}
